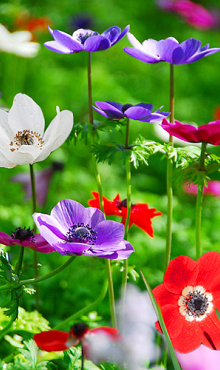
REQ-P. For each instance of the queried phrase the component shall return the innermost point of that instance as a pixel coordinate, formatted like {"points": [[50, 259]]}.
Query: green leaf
{"points": [[162, 324], [107, 152]]}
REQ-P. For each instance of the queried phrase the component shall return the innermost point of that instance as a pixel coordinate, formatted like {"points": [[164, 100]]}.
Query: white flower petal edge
{"points": [[20, 142], [18, 43]]}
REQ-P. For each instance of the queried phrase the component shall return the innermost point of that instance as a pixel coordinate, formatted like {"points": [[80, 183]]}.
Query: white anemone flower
{"points": [[22, 136], [18, 43]]}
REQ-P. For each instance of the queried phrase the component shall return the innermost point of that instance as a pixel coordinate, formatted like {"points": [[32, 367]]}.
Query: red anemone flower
{"points": [[209, 133], [141, 214], [56, 340], [188, 299]]}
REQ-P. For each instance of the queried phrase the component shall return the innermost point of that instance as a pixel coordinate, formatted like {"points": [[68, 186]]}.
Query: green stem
{"points": [[83, 356], [20, 259], [169, 177], [7, 327], [49, 275], [199, 199], [128, 185], [34, 205], [84, 310], [99, 185]]}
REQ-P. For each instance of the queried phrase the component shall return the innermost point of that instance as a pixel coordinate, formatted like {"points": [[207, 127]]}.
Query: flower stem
{"points": [[83, 357], [199, 200], [169, 176], [128, 185], [84, 310], [38, 279], [34, 203], [20, 259], [99, 186]]}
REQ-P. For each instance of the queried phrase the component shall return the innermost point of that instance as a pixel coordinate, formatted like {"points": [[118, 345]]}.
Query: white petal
{"points": [[25, 114], [134, 42], [4, 162], [6, 134], [56, 133], [18, 157]]}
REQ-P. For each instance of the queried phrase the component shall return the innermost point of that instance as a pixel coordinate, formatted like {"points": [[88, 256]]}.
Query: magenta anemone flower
{"points": [[82, 39], [202, 358], [26, 238], [168, 50], [140, 112], [72, 229], [212, 188], [209, 133], [192, 13]]}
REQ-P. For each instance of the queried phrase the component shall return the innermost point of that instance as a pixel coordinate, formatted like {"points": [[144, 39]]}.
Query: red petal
{"points": [[53, 340], [213, 316], [181, 272], [112, 332], [110, 207], [210, 332], [209, 268], [164, 296], [189, 338], [173, 319]]}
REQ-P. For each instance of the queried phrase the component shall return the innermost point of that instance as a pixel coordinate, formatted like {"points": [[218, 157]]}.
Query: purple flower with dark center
{"points": [[83, 39], [72, 229], [140, 112], [168, 50], [26, 238]]}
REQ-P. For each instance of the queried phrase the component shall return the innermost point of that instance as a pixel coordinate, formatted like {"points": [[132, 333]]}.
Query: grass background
{"points": [[53, 79]]}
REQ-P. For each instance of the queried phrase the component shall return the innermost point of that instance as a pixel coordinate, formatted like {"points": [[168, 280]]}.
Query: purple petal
{"points": [[141, 55], [42, 245], [165, 48], [190, 47], [49, 227], [203, 54], [146, 106], [120, 254], [67, 41], [137, 112], [178, 56], [111, 110], [123, 33], [112, 34], [109, 234], [6, 239], [96, 43], [57, 47], [202, 358]]}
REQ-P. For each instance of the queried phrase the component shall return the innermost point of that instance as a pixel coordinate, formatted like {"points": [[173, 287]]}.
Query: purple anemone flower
{"points": [[83, 39], [72, 229], [26, 238], [168, 50], [139, 112]]}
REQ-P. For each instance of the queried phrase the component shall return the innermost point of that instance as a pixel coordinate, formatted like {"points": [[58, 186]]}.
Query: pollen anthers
{"points": [[82, 37], [195, 303], [26, 137], [81, 233]]}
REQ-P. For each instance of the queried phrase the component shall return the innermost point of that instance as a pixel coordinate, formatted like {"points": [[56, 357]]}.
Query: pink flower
{"points": [[213, 188], [203, 358], [194, 14], [209, 133]]}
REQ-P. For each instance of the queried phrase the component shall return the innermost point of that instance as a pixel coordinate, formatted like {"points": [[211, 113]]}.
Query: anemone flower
{"points": [[75, 230], [212, 188], [56, 340], [209, 133], [82, 39], [22, 136], [26, 238], [42, 182], [202, 358], [192, 13], [168, 50], [18, 43], [188, 299], [141, 214], [140, 112]]}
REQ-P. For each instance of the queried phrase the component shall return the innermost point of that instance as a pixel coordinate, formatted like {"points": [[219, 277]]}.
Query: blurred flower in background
{"points": [[212, 188], [81, 20], [42, 182], [18, 43], [203, 358], [192, 13], [35, 25]]}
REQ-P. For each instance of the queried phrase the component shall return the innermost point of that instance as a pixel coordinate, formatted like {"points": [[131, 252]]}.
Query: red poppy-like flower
{"points": [[141, 214], [209, 133], [56, 340], [188, 299]]}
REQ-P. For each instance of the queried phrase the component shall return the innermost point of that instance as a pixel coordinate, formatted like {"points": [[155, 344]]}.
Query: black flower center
{"points": [[83, 37], [123, 203], [79, 329], [197, 304], [80, 233], [23, 234], [125, 107]]}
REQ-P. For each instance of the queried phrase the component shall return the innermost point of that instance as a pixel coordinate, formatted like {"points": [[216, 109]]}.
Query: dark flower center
{"points": [[23, 234], [79, 329], [123, 203], [197, 304], [125, 107], [80, 233], [26, 137], [83, 37]]}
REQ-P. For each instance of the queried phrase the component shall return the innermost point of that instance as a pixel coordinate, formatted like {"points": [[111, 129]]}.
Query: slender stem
{"points": [[169, 176], [49, 275], [128, 185], [99, 185], [199, 200], [20, 259], [34, 203], [83, 357], [7, 327], [84, 310]]}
